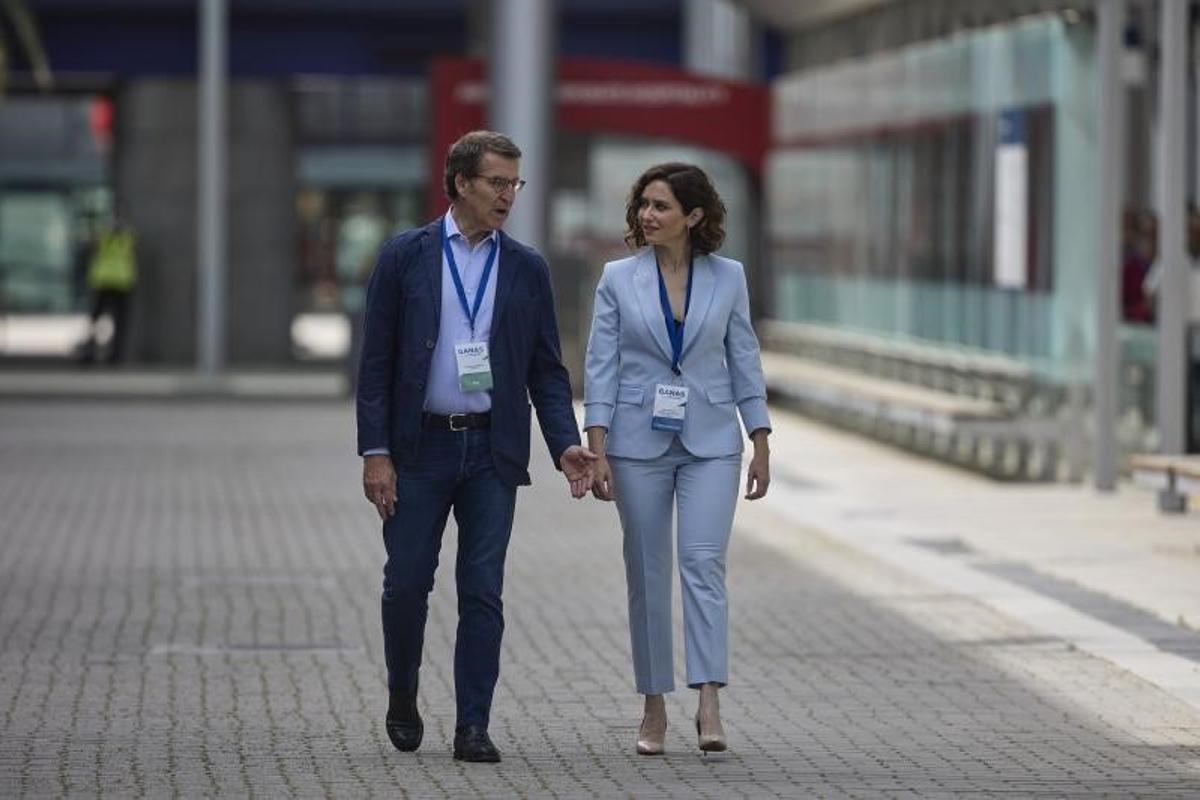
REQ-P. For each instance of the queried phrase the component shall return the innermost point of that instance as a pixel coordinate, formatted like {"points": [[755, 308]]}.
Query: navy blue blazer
{"points": [[404, 301]]}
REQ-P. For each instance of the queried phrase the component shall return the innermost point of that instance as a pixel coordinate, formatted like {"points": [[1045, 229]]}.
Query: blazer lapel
{"points": [[506, 271], [431, 265], [704, 280], [645, 287]]}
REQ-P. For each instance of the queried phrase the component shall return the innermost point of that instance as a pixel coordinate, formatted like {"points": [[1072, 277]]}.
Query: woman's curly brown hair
{"points": [[692, 189]]}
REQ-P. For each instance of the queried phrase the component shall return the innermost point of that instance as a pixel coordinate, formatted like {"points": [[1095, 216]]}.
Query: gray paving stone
{"points": [[189, 607]]}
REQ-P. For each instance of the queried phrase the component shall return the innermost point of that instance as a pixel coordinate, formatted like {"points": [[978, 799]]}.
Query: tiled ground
{"points": [[189, 607]]}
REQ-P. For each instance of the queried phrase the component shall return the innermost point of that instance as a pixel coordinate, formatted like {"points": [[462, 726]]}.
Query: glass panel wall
{"points": [[893, 174], [55, 193], [361, 168]]}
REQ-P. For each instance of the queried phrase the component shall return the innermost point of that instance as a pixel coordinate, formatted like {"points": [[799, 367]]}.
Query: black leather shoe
{"points": [[404, 725], [472, 744]]}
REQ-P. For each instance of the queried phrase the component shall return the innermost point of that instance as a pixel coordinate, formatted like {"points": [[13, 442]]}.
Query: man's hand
{"points": [[577, 465], [602, 481], [379, 484]]}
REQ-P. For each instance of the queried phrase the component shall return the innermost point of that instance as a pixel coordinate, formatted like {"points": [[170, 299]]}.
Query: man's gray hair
{"points": [[465, 155]]}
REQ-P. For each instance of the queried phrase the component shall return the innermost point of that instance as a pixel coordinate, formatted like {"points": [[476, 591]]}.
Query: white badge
{"points": [[670, 407], [474, 366]]}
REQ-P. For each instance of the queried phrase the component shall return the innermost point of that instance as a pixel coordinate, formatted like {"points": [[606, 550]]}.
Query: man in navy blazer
{"points": [[460, 335]]}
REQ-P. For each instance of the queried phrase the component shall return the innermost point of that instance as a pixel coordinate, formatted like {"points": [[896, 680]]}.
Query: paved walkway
{"points": [[1105, 572], [188, 606]]}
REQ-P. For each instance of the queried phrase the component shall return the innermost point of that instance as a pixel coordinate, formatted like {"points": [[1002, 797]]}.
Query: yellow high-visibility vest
{"points": [[114, 265]]}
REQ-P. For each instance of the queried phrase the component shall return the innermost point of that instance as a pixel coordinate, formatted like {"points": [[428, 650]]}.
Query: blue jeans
{"points": [[453, 470]]}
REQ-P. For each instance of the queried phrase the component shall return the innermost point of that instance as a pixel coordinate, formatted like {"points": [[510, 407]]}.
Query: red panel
{"points": [[100, 122], [595, 95]]}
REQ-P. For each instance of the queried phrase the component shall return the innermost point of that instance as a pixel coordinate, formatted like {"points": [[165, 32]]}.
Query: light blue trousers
{"points": [[704, 491]]}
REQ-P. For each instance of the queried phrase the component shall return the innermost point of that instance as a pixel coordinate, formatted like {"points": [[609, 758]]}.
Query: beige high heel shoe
{"points": [[652, 735], [652, 739], [710, 734]]}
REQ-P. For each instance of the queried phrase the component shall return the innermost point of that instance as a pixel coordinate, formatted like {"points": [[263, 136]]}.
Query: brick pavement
{"points": [[189, 607]]}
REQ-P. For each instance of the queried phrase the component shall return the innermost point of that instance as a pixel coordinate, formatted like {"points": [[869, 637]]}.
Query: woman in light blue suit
{"points": [[671, 362]]}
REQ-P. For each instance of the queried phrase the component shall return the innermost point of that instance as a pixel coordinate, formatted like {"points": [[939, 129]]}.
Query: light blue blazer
{"points": [[629, 353]]}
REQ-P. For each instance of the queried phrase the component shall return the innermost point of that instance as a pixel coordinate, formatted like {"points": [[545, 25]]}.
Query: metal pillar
{"points": [[211, 218], [521, 77], [1173, 290], [1111, 169]]}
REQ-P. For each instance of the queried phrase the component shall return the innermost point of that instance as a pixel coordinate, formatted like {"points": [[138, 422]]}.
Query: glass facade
{"points": [[934, 193], [55, 194], [54, 191], [360, 171]]}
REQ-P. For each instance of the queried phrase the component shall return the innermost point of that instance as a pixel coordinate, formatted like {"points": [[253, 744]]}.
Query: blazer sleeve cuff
{"points": [[597, 414], [754, 414]]}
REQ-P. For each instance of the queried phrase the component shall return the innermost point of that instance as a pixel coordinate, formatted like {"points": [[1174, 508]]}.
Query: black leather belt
{"points": [[457, 422]]}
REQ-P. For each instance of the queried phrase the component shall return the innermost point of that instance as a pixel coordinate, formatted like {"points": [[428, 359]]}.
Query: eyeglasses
{"points": [[499, 184]]}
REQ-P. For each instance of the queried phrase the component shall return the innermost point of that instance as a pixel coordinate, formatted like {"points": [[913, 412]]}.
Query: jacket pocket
{"points": [[722, 393], [633, 395]]}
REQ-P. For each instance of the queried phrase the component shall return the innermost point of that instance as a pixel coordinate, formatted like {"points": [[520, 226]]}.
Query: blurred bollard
{"points": [[1171, 501]]}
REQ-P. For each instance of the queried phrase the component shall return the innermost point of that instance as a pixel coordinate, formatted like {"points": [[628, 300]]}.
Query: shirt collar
{"points": [[452, 231]]}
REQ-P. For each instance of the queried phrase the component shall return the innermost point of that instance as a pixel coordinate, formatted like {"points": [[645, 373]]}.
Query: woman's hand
{"points": [[602, 480], [758, 476]]}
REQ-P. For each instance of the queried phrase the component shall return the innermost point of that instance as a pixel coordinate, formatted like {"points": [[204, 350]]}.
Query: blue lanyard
{"points": [[472, 311], [674, 329]]}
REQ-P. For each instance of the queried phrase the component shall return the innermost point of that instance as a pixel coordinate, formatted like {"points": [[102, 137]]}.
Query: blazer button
{"points": [[429, 344]]}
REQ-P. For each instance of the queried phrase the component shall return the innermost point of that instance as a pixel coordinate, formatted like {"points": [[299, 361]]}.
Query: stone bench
{"points": [[983, 431], [876, 397], [982, 375]]}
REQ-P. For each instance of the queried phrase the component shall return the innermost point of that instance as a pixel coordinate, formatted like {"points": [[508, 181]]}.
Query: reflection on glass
{"points": [[340, 231], [881, 196]]}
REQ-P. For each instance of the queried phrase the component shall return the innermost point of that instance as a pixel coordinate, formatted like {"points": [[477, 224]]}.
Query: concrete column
{"points": [[718, 40], [1173, 292], [213, 157], [521, 77], [156, 173], [1111, 170], [259, 301]]}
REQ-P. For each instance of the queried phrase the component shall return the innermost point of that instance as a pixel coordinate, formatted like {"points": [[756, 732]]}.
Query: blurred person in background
{"points": [[1153, 275], [672, 360], [111, 278], [460, 335], [1139, 244], [81, 259]]}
